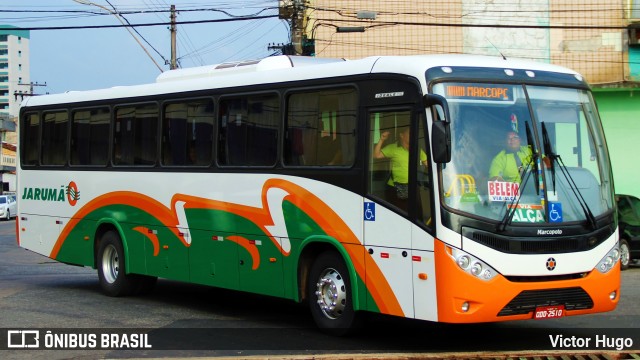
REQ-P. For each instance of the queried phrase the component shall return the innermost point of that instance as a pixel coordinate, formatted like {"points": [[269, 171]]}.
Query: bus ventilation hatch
{"points": [[574, 298]]}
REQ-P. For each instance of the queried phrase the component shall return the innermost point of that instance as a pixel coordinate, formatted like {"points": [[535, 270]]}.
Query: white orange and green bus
{"points": [[261, 177]]}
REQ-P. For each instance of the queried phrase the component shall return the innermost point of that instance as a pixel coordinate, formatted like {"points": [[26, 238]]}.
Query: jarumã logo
{"points": [[69, 193]]}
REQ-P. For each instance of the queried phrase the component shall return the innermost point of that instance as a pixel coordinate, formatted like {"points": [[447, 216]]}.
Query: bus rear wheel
{"points": [[112, 273], [329, 294]]}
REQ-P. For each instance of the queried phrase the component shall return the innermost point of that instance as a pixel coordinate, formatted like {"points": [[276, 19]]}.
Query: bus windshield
{"points": [[516, 148]]}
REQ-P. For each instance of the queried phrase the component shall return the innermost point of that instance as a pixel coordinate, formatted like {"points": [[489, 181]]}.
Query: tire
{"points": [[329, 294], [625, 254], [112, 271], [8, 216]]}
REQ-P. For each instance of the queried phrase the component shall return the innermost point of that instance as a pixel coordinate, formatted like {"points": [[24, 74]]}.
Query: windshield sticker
{"points": [[503, 191], [555, 212], [527, 213]]}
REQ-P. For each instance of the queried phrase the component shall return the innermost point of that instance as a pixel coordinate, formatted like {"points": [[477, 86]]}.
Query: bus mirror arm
{"points": [[440, 131]]}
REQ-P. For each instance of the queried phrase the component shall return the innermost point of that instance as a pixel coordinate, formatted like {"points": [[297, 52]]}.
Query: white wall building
{"points": [[14, 68], [14, 80]]}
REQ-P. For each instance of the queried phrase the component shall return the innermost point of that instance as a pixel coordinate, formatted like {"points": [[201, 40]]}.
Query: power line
{"points": [[84, 27], [135, 12], [500, 26], [117, 13]]}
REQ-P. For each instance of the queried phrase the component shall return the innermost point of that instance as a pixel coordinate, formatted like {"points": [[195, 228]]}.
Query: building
{"points": [[14, 68], [14, 81], [598, 38]]}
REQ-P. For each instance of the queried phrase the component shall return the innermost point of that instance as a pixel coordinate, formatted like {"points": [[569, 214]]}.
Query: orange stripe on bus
{"points": [[151, 236], [335, 227], [315, 208], [247, 245], [136, 200], [261, 217]]}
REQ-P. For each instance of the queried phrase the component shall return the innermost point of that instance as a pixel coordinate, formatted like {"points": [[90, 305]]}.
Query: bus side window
{"points": [[187, 133], [248, 130], [54, 138], [321, 128], [30, 139], [135, 135], [89, 146]]}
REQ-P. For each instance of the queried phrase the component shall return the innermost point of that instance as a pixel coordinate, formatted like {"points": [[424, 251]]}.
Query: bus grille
{"points": [[574, 298], [536, 245]]}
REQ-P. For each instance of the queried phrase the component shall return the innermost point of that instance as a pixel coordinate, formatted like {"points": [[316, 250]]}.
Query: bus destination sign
{"points": [[479, 92]]}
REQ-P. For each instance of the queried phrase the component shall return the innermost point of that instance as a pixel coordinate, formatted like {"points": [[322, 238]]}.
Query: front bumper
{"points": [[501, 300]]}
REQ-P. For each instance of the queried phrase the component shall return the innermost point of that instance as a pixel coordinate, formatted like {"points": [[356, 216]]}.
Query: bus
{"points": [[265, 177]]}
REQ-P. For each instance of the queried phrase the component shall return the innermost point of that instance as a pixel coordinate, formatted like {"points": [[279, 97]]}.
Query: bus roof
{"points": [[286, 68]]}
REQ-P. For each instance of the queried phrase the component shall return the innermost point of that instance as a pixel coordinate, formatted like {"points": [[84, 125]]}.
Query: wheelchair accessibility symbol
{"points": [[369, 211], [555, 212]]}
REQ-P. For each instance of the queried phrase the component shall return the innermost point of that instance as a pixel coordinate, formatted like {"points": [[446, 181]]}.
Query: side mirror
{"points": [[441, 130], [441, 142]]}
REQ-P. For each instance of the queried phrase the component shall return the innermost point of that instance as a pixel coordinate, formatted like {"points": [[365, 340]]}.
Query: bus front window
{"points": [[578, 175], [500, 168]]}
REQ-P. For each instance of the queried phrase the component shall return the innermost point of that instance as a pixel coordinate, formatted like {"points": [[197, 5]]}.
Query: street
{"points": [[194, 321]]}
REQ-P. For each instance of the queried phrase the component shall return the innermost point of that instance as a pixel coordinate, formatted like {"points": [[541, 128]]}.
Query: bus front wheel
{"points": [[112, 273], [329, 294]]}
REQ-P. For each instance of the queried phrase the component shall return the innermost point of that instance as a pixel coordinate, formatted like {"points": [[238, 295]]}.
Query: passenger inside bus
{"points": [[328, 151]]}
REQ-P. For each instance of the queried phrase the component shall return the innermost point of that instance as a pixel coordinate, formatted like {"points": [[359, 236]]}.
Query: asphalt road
{"points": [[184, 320]]}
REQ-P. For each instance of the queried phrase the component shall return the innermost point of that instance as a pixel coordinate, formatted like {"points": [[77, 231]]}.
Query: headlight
{"points": [[463, 261], [610, 260], [472, 265], [476, 268]]}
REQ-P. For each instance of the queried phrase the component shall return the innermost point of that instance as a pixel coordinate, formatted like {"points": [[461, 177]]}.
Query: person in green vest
{"points": [[509, 163], [398, 153]]}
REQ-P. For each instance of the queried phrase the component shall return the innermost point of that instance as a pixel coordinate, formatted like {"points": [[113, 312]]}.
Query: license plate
{"points": [[549, 312]]}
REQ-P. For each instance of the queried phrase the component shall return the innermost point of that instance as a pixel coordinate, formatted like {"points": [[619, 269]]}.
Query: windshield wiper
{"points": [[546, 143], [513, 205], [553, 158], [534, 156]]}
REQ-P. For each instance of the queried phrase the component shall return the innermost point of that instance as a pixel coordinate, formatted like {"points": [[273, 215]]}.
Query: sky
{"points": [[85, 59]]}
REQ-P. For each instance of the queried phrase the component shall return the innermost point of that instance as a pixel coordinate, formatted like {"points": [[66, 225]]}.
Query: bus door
{"points": [[422, 230], [387, 230]]}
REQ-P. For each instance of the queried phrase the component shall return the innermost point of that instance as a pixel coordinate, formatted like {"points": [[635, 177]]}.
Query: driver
{"points": [[507, 165]]}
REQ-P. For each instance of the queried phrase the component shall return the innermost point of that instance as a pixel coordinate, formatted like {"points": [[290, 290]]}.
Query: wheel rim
{"points": [[331, 293], [624, 254], [110, 264]]}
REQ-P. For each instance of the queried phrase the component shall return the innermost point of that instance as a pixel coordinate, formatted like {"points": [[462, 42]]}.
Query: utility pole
{"points": [[173, 29], [31, 85], [297, 26], [294, 11]]}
